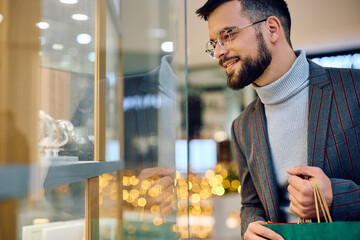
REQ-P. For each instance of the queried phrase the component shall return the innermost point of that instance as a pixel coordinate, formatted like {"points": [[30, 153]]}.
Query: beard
{"points": [[252, 68]]}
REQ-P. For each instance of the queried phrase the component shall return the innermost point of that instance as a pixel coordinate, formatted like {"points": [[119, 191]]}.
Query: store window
{"points": [[91, 108]]}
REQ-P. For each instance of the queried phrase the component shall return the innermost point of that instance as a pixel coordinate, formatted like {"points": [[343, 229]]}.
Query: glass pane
{"points": [[214, 194], [110, 193], [154, 184], [114, 81], [66, 119], [50, 214]]}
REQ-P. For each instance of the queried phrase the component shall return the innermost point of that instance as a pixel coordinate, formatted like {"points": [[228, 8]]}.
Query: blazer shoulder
{"points": [[343, 77]]}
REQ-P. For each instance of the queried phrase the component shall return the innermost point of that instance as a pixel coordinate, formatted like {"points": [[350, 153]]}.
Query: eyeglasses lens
{"points": [[224, 38], [210, 48]]}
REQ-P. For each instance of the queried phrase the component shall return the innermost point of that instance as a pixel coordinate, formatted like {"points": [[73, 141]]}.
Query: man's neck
{"points": [[280, 64]]}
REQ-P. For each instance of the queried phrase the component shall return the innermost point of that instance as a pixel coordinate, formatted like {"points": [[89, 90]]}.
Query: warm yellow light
{"points": [[213, 181], [223, 173], [204, 183], [202, 234], [114, 187], [183, 194], [157, 221], [125, 194], [184, 234], [226, 183], [190, 185], [107, 176], [103, 182], [217, 168], [142, 202], [204, 194], [208, 211], [195, 198], [183, 185], [155, 191], [155, 209], [130, 199], [196, 187], [220, 191], [113, 195], [134, 193], [174, 228], [145, 185], [133, 180], [209, 174], [235, 184], [196, 210], [126, 181], [239, 189], [219, 178]]}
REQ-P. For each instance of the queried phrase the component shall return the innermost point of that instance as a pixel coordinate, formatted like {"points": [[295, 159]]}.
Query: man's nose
{"points": [[220, 51]]}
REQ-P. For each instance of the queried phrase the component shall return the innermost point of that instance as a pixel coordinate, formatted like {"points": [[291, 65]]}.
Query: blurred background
{"points": [[115, 123]]}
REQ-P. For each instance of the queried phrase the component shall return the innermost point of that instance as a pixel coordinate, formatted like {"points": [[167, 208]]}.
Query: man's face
{"points": [[247, 57]]}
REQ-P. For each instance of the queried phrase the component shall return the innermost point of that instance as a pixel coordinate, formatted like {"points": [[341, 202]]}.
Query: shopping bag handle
{"points": [[319, 201]]}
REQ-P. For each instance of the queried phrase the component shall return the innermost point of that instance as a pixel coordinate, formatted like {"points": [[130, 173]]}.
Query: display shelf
{"points": [[18, 180]]}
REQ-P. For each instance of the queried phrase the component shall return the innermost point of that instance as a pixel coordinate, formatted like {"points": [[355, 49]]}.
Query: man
{"points": [[303, 125]]}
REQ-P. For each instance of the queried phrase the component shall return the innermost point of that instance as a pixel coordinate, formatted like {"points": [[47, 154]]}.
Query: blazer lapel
{"points": [[320, 95], [262, 158]]}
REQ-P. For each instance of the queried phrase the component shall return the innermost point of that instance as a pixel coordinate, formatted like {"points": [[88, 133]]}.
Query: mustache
{"points": [[221, 61]]}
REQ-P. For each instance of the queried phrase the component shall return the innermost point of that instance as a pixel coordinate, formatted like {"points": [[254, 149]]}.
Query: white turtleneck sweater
{"points": [[286, 108]]}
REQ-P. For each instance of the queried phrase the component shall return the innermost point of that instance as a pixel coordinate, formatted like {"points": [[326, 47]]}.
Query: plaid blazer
{"points": [[333, 145]]}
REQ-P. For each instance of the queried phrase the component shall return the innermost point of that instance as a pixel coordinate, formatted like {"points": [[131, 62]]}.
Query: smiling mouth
{"points": [[231, 64]]}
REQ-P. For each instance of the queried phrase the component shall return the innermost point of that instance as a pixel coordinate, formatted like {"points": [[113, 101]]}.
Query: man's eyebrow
{"points": [[228, 28]]}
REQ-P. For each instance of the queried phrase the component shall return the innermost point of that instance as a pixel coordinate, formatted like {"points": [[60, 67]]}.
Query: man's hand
{"points": [[301, 193], [159, 184], [256, 230]]}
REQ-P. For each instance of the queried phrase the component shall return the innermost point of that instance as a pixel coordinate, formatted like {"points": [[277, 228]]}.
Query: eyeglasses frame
{"points": [[211, 52]]}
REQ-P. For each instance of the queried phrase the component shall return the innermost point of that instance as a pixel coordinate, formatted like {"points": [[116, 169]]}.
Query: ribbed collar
{"points": [[291, 83]]}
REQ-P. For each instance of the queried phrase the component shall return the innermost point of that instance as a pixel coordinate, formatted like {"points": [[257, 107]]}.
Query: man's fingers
{"points": [[304, 171], [156, 172], [256, 230], [301, 185], [165, 182]]}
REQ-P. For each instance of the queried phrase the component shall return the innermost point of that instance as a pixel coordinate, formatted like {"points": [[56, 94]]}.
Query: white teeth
{"points": [[230, 64]]}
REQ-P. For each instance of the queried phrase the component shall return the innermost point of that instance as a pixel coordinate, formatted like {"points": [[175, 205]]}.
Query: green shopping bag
{"points": [[318, 231]]}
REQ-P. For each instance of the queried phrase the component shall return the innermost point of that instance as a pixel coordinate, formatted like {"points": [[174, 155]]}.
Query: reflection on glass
{"points": [[53, 134], [150, 190], [53, 213], [113, 83], [67, 79]]}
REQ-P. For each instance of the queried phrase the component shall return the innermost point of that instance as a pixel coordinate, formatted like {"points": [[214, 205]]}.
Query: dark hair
{"points": [[255, 10]]}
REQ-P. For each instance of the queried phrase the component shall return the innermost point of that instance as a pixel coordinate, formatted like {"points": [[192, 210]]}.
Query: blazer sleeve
{"points": [[251, 207], [342, 150], [346, 200]]}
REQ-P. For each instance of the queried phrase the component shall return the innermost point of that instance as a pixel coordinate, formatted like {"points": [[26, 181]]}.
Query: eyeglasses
{"points": [[224, 38]]}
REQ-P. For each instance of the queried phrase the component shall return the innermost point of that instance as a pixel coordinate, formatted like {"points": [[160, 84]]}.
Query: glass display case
{"points": [[89, 118], [102, 136]]}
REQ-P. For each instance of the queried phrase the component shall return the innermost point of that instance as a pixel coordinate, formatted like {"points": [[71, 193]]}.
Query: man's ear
{"points": [[274, 28]]}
